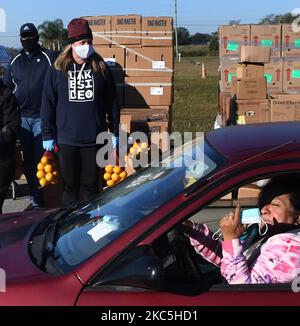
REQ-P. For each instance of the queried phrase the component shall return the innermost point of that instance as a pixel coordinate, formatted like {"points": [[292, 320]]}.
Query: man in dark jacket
{"points": [[25, 76], [9, 127]]}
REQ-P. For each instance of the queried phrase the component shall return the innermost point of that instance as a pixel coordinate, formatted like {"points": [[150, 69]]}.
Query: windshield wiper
{"points": [[50, 230]]}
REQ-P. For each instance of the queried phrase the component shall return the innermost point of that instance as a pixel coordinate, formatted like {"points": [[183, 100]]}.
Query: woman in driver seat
{"points": [[275, 255]]}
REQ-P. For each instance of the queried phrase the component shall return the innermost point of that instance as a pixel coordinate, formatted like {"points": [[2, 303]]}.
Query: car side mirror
{"points": [[144, 271]]}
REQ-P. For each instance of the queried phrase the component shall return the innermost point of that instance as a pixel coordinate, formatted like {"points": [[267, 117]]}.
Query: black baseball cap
{"points": [[28, 29]]}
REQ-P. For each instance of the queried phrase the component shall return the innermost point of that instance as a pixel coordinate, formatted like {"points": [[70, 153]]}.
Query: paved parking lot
{"points": [[21, 201]]}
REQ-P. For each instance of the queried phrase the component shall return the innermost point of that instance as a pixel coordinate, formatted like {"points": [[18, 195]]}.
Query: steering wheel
{"points": [[185, 256]]}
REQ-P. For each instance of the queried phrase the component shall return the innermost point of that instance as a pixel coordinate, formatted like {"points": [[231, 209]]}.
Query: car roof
{"points": [[241, 142]]}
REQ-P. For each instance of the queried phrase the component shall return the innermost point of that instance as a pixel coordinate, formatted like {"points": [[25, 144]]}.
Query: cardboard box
{"points": [[154, 113], [249, 191], [224, 107], [291, 75], [156, 132], [255, 88], [273, 74], [255, 54], [268, 36], [252, 111], [249, 71], [285, 108], [228, 72], [126, 29], [231, 38], [290, 42], [125, 122], [148, 61], [114, 57], [157, 31], [148, 91], [101, 28]]}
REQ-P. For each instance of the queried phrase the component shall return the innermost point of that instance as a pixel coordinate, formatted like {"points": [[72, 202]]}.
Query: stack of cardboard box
{"points": [[139, 51], [282, 72], [250, 86]]}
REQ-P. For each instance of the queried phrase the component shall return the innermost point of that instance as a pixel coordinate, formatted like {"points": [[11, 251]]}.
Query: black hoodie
{"points": [[76, 107], [9, 122]]}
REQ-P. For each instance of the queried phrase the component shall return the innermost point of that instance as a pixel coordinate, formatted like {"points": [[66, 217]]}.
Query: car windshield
{"points": [[85, 230]]}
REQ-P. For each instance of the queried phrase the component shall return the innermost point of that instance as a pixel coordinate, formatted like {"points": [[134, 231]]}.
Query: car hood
{"points": [[15, 231]]}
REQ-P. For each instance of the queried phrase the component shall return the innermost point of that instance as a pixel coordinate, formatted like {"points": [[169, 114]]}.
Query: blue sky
{"points": [[196, 15]]}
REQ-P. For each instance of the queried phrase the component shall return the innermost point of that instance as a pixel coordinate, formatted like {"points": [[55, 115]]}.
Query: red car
{"points": [[125, 248]]}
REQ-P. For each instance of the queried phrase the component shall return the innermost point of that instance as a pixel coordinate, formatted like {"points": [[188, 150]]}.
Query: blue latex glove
{"points": [[48, 145], [115, 141]]}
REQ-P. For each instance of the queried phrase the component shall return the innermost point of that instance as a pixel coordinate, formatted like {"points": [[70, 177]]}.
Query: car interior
{"points": [[171, 264]]}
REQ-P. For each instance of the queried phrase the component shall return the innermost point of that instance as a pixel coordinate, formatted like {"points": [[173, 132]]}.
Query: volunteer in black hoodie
{"points": [[9, 127], [25, 76], [79, 102]]}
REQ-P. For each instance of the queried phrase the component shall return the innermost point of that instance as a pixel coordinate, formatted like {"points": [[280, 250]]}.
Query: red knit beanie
{"points": [[79, 29]]}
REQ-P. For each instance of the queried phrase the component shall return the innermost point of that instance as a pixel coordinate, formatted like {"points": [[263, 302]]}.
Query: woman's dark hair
{"points": [[286, 184]]}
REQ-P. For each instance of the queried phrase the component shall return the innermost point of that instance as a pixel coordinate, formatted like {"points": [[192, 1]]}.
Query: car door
{"points": [[137, 277]]}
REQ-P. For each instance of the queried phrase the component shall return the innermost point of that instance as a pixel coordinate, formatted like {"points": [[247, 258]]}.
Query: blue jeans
{"points": [[31, 144]]}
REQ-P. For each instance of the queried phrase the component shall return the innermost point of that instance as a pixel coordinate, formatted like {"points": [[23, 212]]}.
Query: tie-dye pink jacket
{"points": [[275, 261]]}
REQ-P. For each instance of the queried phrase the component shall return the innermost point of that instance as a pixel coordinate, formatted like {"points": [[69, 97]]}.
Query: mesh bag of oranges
{"points": [[138, 148], [113, 175], [47, 170]]}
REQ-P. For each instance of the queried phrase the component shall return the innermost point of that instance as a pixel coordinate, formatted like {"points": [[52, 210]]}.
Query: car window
{"points": [[87, 229], [182, 270]]}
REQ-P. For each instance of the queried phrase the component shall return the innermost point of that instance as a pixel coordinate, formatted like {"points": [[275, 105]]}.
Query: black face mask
{"points": [[30, 44]]}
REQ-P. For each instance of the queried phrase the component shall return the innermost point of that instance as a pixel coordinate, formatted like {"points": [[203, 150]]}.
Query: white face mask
{"points": [[248, 216], [84, 51]]}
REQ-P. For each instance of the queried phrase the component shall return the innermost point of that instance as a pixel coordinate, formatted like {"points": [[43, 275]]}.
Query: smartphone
{"points": [[249, 216]]}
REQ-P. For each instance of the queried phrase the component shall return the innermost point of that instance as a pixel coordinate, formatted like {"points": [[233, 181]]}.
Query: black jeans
{"points": [[7, 170], [80, 173]]}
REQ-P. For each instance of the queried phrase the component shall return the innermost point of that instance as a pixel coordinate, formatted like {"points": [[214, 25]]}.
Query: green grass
{"points": [[195, 106]]}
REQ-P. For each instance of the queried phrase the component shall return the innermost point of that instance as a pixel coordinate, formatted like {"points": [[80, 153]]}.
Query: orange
{"points": [[115, 177], [144, 146], [45, 160], [107, 176], [117, 169], [110, 183], [132, 151], [43, 182], [40, 174], [109, 169], [48, 168], [40, 167], [49, 176], [123, 175]]}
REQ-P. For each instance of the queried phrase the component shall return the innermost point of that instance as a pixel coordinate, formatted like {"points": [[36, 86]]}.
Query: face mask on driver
{"points": [[84, 51], [249, 217]]}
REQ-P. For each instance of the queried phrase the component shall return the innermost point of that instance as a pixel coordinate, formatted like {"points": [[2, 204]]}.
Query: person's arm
{"points": [[201, 239], [7, 78], [48, 108], [112, 104], [278, 261], [11, 118]]}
